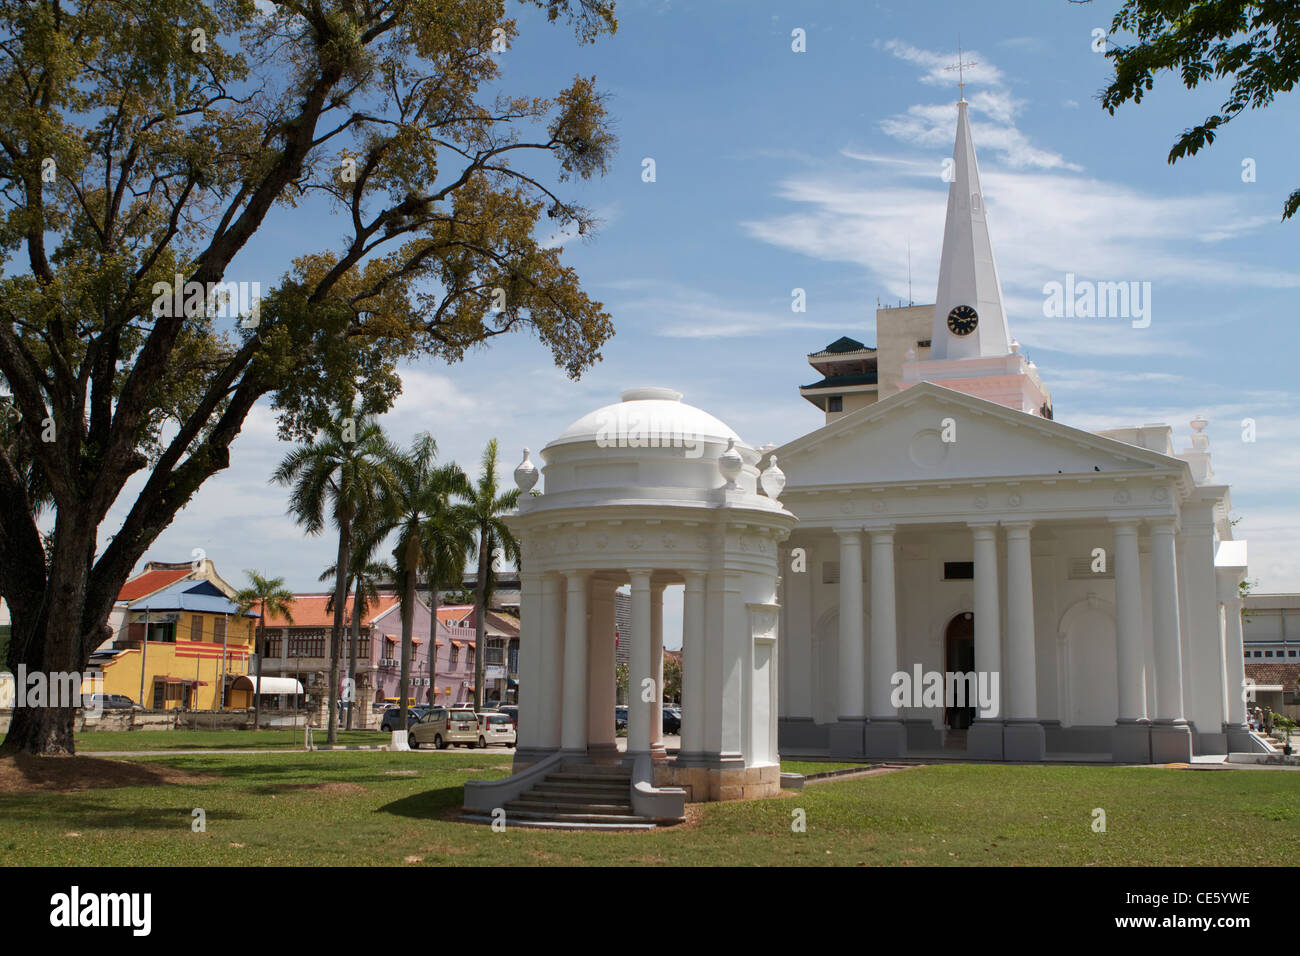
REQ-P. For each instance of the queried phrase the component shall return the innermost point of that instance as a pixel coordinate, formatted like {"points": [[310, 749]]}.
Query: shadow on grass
{"points": [[80, 815], [440, 804]]}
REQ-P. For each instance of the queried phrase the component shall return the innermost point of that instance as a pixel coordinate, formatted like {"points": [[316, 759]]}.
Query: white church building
{"points": [[940, 569]]}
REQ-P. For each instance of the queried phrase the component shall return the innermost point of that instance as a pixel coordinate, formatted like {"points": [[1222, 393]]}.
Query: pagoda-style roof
{"points": [[846, 381], [842, 345]]}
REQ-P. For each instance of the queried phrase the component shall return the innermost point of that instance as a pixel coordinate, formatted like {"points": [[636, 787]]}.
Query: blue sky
{"points": [[816, 170]]}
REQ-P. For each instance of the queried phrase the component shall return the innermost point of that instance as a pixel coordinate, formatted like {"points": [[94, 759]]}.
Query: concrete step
{"points": [[560, 824], [567, 816], [583, 786], [561, 809], [597, 769], [564, 796], [604, 778]]}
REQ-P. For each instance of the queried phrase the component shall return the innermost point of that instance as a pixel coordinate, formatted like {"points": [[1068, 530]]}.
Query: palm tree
{"points": [[417, 505], [449, 540], [347, 471], [268, 594], [488, 504], [364, 575]]}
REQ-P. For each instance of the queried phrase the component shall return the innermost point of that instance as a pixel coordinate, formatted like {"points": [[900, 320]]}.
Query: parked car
{"points": [[113, 702], [496, 729], [511, 711], [620, 717], [672, 720], [442, 726], [393, 717]]}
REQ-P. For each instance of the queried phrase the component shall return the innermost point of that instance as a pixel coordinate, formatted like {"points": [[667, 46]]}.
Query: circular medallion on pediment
{"points": [[846, 506], [1122, 497], [670, 541], [1013, 500], [981, 502], [634, 541], [877, 506], [927, 449], [702, 542], [602, 541], [1160, 494], [573, 542]]}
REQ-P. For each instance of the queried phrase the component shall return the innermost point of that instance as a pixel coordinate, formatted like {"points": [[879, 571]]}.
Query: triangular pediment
{"points": [[931, 433]]}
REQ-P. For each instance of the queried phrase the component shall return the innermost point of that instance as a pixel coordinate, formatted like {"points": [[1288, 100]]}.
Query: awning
{"points": [[456, 643], [269, 685]]}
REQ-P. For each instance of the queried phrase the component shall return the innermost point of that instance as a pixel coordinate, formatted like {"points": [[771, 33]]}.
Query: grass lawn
{"points": [[357, 808], [98, 741]]}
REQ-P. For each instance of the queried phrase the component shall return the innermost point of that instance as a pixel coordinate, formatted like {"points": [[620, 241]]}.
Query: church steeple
{"points": [[968, 275]]}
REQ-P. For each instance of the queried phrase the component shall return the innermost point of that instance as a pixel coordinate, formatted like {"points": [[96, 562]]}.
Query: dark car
{"points": [[512, 710], [620, 717], [672, 720], [393, 716]]}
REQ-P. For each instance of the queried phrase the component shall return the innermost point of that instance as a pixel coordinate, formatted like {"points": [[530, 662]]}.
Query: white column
{"points": [[531, 689], [601, 738], [1023, 703], [552, 662], [984, 738], [1165, 622], [852, 704], [574, 727], [1024, 737], [657, 669], [884, 624], [1170, 736], [1234, 659], [638, 722], [693, 686], [1130, 661]]}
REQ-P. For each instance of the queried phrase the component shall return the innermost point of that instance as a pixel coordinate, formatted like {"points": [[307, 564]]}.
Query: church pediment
{"points": [[930, 433]]}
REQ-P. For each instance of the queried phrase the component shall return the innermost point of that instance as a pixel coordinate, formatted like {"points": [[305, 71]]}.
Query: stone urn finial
{"points": [[526, 474], [730, 463], [773, 480]]}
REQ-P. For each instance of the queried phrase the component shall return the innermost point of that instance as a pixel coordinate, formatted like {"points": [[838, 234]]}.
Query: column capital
{"points": [[576, 575], [1124, 524], [983, 529], [637, 572], [1163, 523], [849, 533], [885, 528], [1018, 526], [695, 578]]}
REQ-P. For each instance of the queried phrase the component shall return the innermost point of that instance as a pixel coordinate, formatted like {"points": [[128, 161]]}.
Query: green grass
{"points": [[98, 741], [398, 806]]}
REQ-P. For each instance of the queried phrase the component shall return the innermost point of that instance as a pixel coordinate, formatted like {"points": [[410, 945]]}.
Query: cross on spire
{"points": [[960, 66]]}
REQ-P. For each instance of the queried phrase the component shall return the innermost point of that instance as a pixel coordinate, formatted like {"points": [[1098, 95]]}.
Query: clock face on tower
{"points": [[962, 320]]}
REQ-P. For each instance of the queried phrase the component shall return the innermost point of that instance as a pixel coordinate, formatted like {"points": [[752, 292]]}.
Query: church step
{"points": [[575, 796], [567, 815], [604, 824], [625, 777], [583, 783], [597, 769]]}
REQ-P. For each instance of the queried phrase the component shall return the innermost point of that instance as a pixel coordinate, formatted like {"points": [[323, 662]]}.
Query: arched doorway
{"points": [[959, 658]]}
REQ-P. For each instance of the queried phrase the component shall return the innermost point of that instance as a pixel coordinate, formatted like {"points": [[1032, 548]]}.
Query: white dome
{"points": [[648, 417]]}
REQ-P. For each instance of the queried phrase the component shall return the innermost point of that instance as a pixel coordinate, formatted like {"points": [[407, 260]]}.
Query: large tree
{"points": [[489, 505], [1254, 44], [345, 471], [150, 141]]}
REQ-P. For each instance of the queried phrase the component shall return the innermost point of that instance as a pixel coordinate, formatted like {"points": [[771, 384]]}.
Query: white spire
{"points": [[968, 276]]}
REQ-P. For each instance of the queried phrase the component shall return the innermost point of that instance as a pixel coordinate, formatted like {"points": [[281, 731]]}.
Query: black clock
{"points": [[962, 320]]}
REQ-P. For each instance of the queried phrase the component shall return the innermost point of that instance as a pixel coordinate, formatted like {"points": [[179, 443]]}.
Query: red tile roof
{"points": [[1264, 673], [151, 582], [308, 610]]}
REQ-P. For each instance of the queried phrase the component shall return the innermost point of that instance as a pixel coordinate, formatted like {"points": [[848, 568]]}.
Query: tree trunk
{"points": [[336, 632], [352, 649], [408, 625], [257, 684], [56, 642], [480, 615], [433, 641]]}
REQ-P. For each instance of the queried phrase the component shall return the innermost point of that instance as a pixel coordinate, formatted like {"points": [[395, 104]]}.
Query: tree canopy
{"points": [[1254, 44], [146, 143]]}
